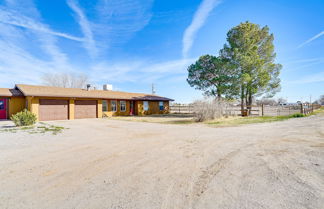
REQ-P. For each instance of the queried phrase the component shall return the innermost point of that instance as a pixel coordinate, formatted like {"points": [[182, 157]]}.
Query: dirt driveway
{"points": [[102, 163]]}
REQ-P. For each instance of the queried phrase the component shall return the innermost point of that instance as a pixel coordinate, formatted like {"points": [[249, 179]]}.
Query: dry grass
{"points": [[166, 119], [235, 121], [40, 128], [219, 122], [318, 111], [182, 119]]}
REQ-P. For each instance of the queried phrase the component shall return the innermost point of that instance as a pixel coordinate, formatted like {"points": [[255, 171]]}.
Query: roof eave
{"points": [[17, 87], [140, 98]]}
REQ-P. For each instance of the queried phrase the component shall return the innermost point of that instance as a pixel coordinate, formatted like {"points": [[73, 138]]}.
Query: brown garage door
{"points": [[85, 109], [53, 109]]}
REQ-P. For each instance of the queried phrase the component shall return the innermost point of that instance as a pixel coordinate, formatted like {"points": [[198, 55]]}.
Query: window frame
{"points": [[161, 107], [120, 106], [2, 105], [148, 105], [113, 107], [104, 104]]}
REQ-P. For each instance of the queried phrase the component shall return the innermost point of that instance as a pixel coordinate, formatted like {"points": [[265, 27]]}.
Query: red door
{"points": [[3, 109]]}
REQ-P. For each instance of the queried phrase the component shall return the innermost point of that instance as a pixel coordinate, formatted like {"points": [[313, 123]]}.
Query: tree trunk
{"points": [[242, 100], [250, 102], [219, 95], [247, 101]]}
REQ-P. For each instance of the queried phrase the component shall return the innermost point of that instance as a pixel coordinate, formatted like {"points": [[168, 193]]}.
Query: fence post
{"points": [[301, 108], [289, 110], [262, 109]]}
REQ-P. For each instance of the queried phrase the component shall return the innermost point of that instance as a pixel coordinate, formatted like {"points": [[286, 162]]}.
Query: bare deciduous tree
{"points": [[321, 100], [65, 80], [209, 109], [282, 100], [267, 101]]}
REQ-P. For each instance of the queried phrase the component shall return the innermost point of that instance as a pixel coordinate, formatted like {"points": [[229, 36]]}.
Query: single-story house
{"points": [[56, 103]]}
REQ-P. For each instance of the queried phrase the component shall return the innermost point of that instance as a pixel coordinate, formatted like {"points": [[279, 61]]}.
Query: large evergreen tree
{"points": [[213, 75], [250, 49]]}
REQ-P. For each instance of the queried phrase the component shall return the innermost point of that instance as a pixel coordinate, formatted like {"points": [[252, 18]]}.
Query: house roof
{"points": [[4, 92], [48, 91]]}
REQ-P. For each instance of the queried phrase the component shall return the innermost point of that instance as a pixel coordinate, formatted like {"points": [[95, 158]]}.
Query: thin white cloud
{"points": [[18, 65], [312, 39], [114, 22], [85, 25], [14, 18], [26, 43], [173, 66], [308, 60], [313, 78], [115, 72], [28, 47], [300, 64], [197, 22], [139, 71], [119, 20]]}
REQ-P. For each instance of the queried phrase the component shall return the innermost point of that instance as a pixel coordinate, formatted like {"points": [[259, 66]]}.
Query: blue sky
{"points": [[133, 43]]}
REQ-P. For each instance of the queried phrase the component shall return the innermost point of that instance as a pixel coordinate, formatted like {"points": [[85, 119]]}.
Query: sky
{"points": [[134, 43]]}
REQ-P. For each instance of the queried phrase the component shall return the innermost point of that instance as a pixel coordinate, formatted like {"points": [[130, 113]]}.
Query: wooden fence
{"points": [[182, 109], [256, 110], [288, 110]]}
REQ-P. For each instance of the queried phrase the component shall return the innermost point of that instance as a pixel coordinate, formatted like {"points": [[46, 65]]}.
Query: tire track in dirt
{"points": [[201, 185], [285, 178], [208, 174], [168, 196]]}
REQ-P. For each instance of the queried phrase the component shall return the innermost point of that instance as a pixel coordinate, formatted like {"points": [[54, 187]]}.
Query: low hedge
{"points": [[297, 115]]}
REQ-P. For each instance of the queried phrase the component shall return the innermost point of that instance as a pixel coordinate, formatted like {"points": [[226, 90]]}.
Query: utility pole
{"points": [[153, 89], [310, 99], [310, 103]]}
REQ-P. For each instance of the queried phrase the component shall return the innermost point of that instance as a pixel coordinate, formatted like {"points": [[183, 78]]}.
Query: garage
{"points": [[85, 109], [53, 109]]}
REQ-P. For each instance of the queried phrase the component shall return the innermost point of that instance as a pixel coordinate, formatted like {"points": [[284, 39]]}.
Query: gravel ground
{"points": [[102, 163]]}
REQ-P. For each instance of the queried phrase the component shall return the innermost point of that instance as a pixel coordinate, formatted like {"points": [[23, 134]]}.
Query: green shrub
{"points": [[298, 115], [24, 118]]}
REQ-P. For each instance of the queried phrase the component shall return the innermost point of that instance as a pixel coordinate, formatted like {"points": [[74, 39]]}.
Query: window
{"points": [[113, 106], [104, 106], [161, 106], [146, 105], [122, 106], [2, 106]]}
